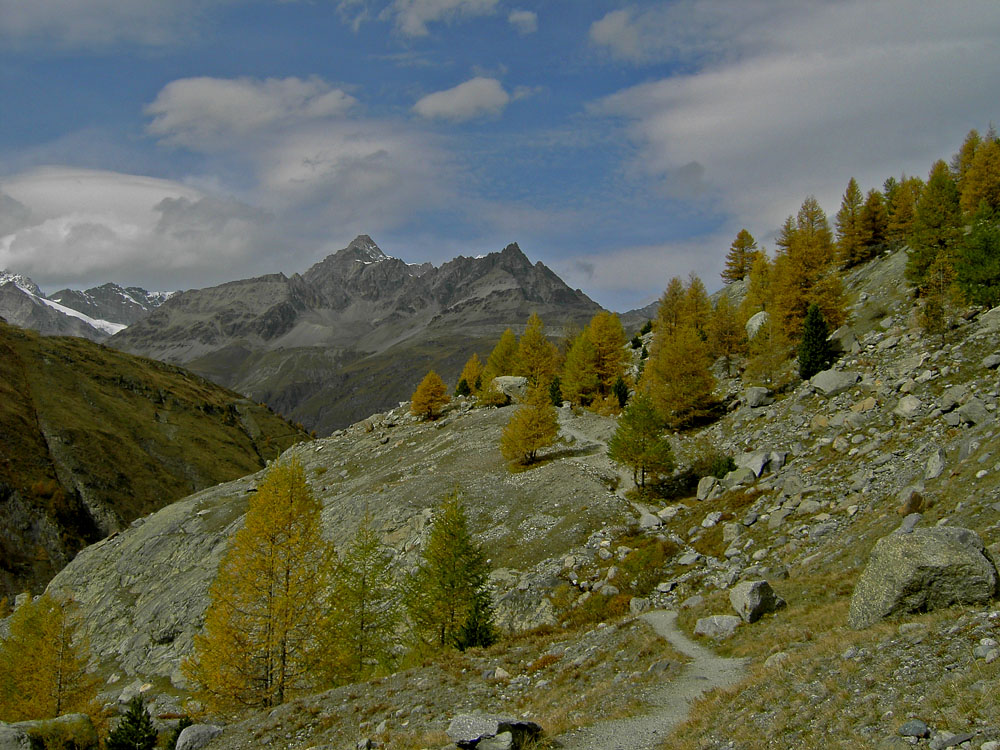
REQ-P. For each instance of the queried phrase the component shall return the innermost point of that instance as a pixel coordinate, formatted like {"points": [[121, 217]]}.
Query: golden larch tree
{"points": [[264, 626], [670, 311], [537, 357], [740, 257], [608, 339], [579, 382], [472, 374], [503, 358], [850, 240], [430, 397], [678, 377], [43, 664], [533, 426]]}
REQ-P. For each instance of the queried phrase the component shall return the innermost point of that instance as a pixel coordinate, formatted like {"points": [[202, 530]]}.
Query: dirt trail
{"points": [[668, 704]]}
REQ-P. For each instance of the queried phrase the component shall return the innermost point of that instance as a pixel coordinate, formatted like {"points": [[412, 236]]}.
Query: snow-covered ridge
{"points": [[30, 288], [22, 282]]}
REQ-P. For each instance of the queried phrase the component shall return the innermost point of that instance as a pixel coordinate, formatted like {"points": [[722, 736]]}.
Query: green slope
{"points": [[92, 438]]}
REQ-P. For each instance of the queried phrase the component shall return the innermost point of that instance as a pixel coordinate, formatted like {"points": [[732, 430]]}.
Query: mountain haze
{"points": [[356, 332]]}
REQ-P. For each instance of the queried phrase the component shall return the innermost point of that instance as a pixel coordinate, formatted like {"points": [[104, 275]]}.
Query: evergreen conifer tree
{"points": [[449, 586], [639, 442], [620, 391], [472, 374], [977, 264], [364, 609], [815, 354], [135, 731]]}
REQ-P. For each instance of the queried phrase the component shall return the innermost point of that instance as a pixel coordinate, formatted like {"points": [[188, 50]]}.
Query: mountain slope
{"points": [[356, 332], [92, 438], [111, 302]]}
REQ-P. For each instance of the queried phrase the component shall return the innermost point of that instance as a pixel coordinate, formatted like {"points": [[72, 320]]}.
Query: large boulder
{"points": [[757, 396], [844, 341], [834, 382], [514, 387], [923, 570], [754, 599], [753, 460], [473, 730], [72, 730], [197, 736], [718, 627], [755, 323]]}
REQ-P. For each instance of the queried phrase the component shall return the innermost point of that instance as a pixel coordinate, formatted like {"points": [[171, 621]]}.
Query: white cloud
{"points": [[89, 226], [805, 96], [412, 16], [204, 113], [476, 97], [99, 22], [525, 21]]}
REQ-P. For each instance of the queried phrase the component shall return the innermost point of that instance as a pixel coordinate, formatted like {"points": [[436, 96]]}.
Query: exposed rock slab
{"points": [[754, 599]]}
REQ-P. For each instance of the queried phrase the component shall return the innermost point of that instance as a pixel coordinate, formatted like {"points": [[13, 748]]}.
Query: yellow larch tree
{"points": [[697, 308], [503, 358], [740, 257], [43, 664], [430, 397], [608, 339], [264, 627], [472, 376], [670, 311], [678, 377], [537, 357], [533, 426], [579, 382]]}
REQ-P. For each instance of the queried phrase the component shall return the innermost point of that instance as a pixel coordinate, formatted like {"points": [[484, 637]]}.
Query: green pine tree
{"points": [[135, 731], [450, 582], [977, 264], [815, 354], [639, 442]]}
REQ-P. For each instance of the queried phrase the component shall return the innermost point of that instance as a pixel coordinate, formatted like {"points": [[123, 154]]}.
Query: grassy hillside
{"points": [[92, 438]]}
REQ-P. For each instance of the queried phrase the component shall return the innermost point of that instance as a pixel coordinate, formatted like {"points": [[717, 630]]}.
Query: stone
{"points": [[755, 323], [834, 382], [70, 731], [739, 476], [778, 517], [711, 519], [637, 605], [717, 627], [649, 521], [947, 739], [865, 404], [705, 487], [503, 741], [921, 571], [515, 387], [991, 361], [693, 601], [952, 397], [468, 730], [915, 728], [909, 524], [756, 396], [908, 407], [753, 599], [756, 461], [197, 736], [777, 460], [974, 411], [989, 321], [688, 558], [844, 340], [776, 660], [935, 464]]}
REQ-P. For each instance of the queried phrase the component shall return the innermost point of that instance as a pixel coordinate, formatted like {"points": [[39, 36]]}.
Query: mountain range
{"points": [[356, 332], [93, 314]]}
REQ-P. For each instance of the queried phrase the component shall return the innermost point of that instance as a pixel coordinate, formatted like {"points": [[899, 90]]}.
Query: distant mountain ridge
{"points": [[94, 314], [354, 333]]}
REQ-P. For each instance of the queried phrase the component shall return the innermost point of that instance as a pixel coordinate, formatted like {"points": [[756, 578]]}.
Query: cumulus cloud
{"points": [[204, 113], [476, 97], [525, 21], [77, 23], [412, 17], [805, 95], [88, 226]]}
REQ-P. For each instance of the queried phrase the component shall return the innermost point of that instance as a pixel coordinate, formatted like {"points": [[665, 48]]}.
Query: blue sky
{"points": [[182, 143]]}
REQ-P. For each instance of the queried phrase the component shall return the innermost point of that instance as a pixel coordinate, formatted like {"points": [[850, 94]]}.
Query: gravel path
{"points": [[669, 704]]}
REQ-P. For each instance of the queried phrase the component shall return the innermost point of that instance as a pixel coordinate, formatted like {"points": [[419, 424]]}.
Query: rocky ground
{"points": [[904, 427]]}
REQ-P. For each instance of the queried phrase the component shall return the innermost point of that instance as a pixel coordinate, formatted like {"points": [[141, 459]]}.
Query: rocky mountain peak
{"points": [[9, 277]]}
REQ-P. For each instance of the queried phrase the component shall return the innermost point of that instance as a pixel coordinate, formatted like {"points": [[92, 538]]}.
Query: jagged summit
{"points": [[9, 277], [356, 331]]}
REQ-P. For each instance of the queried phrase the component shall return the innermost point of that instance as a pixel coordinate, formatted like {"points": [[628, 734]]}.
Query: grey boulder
{"points": [[197, 736], [757, 396], [470, 730], [753, 599], [717, 627], [923, 570], [834, 382], [513, 386], [70, 730]]}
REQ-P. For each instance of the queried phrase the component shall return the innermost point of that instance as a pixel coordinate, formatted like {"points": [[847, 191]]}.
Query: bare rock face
{"points": [[923, 570]]}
